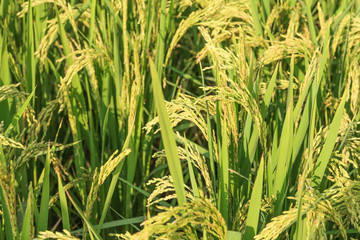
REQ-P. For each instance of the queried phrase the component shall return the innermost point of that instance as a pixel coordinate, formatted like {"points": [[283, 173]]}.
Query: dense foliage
{"points": [[188, 119]]}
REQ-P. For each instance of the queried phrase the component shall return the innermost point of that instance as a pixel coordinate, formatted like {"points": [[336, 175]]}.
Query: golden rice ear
{"points": [[179, 222], [164, 186], [67, 15], [299, 46], [219, 16], [82, 59], [5, 141], [195, 158], [353, 75], [336, 204], [199, 162], [11, 91], [339, 34], [101, 175], [65, 235], [185, 108], [186, 24], [240, 94]]}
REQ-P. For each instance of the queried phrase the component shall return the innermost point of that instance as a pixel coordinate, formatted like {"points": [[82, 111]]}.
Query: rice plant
{"points": [[189, 119]]}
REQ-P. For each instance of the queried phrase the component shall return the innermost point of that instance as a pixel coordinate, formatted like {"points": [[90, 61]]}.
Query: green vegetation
{"points": [[183, 119]]}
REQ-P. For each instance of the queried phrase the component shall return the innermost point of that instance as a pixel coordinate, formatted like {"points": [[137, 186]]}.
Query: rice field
{"points": [[187, 119]]}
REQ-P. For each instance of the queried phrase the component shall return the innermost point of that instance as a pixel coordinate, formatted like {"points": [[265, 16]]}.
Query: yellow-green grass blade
{"points": [[118, 20], [324, 55], [253, 142], [92, 21], [76, 117], [118, 76], [103, 134], [290, 88], [114, 179], [283, 160], [115, 223], [211, 149], [92, 232], [233, 235], [251, 136], [270, 173], [210, 138], [143, 192], [26, 227], [63, 205], [256, 18], [2, 158], [4, 8], [313, 97], [252, 219], [264, 110], [45, 196], [269, 33], [292, 3], [5, 77], [269, 91], [245, 166], [167, 135], [341, 76], [30, 59], [312, 126], [92, 132], [132, 163], [308, 4], [308, 117], [40, 23], [302, 98], [160, 47], [224, 176], [266, 6], [108, 105], [342, 15], [323, 159], [191, 172], [77, 91], [169, 15], [301, 130], [78, 12], [301, 227]]}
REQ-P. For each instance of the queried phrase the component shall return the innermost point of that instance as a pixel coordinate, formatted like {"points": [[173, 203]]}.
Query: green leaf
{"points": [[26, 227], [114, 179], [63, 205], [233, 235], [323, 159], [252, 219], [191, 172], [92, 232], [167, 135], [224, 176], [116, 223], [45, 196], [30, 59]]}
